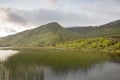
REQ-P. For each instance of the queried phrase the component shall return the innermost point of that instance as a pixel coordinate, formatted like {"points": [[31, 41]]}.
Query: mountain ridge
{"points": [[52, 34], [108, 29], [45, 35]]}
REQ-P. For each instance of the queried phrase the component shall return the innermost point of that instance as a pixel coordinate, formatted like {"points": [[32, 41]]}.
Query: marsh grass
{"points": [[56, 58], [30, 63]]}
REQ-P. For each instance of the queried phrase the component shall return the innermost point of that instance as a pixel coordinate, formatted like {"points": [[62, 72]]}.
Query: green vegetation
{"points": [[109, 29], [104, 44], [30, 64], [46, 35], [58, 59], [54, 35]]}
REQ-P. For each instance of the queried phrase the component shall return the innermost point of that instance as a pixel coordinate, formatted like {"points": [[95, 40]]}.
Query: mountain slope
{"points": [[103, 44], [112, 28], [49, 34]]}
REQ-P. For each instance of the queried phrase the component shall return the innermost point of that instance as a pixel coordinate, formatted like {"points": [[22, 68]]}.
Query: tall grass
{"points": [[28, 64], [57, 58]]}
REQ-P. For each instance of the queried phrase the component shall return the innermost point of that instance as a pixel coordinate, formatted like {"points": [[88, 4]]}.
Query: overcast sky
{"points": [[19, 15]]}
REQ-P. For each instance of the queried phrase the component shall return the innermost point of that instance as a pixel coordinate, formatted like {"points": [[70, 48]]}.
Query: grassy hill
{"points": [[110, 29], [53, 33], [111, 43], [45, 35]]}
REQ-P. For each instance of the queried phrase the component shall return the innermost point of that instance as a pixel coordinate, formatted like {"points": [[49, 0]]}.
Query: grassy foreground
{"points": [[29, 64], [56, 58]]}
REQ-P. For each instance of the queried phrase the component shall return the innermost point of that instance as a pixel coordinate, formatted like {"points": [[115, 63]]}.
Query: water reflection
{"points": [[102, 71], [4, 54]]}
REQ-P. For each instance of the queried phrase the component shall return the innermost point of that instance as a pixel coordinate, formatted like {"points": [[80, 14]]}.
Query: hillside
{"points": [[110, 29], [111, 43], [53, 33], [45, 35]]}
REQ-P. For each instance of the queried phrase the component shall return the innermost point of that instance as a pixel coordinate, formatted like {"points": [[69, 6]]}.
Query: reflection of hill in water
{"points": [[35, 72]]}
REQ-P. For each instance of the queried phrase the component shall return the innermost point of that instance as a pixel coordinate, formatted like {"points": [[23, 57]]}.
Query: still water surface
{"points": [[107, 70], [104, 71], [4, 54]]}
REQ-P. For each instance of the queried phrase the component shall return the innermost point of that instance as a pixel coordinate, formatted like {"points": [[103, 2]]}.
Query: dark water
{"points": [[103, 71], [107, 70]]}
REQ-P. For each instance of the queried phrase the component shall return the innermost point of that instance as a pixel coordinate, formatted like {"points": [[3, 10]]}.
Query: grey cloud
{"points": [[14, 17], [89, 15], [86, 12], [42, 16]]}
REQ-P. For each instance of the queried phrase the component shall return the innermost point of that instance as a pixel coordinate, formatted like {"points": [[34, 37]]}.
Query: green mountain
{"points": [[45, 35], [52, 34], [110, 29]]}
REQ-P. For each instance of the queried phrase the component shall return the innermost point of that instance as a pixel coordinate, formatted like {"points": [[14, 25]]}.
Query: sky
{"points": [[19, 15]]}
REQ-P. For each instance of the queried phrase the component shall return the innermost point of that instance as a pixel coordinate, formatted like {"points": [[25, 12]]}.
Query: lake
{"points": [[58, 64], [4, 54]]}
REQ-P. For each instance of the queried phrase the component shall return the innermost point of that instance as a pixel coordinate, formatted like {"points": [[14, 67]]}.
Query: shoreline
{"points": [[59, 48]]}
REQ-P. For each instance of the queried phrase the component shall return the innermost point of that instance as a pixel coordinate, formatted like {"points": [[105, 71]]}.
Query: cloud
{"points": [[12, 16], [83, 12], [37, 17], [107, 10], [7, 30], [4, 31], [29, 4], [15, 18], [52, 2], [18, 16], [43, 16]]}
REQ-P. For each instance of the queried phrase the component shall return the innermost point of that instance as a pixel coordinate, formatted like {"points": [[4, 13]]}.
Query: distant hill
{"points": [[53, 33], [110, 29], [45, 35]]}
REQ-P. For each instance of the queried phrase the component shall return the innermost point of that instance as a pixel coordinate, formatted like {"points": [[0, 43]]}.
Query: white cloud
{"points": [[6, 31]]}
